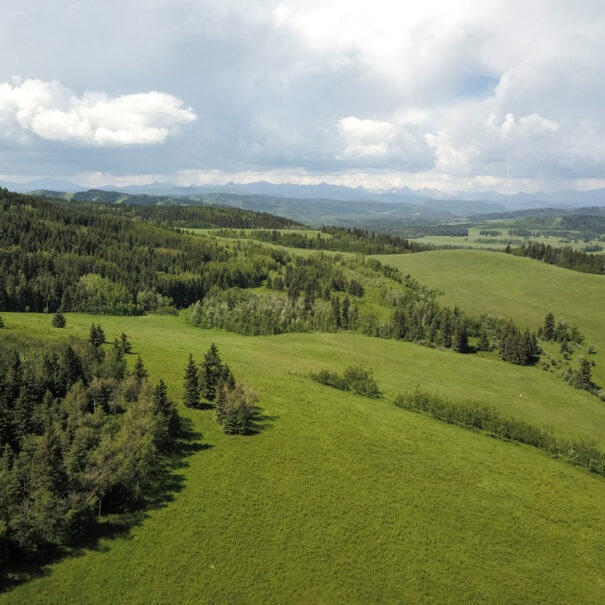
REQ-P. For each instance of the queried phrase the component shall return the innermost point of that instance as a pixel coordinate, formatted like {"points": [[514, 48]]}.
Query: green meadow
{"points": [[339, 498], [475, 240], [514, 287]]}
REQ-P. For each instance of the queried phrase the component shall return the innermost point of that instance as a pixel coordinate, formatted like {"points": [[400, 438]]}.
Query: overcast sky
{"points": [[487, 94]]}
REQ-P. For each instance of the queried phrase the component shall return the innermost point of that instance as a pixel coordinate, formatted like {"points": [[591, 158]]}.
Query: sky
{"points": [[502, 95]]}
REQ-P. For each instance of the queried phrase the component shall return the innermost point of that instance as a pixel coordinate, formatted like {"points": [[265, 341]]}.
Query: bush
{"points": [[58, 320], [355, 379]]}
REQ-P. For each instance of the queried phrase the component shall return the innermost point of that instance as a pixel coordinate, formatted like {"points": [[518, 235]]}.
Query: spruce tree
{"points": [[460, 339], [548, 330], [126, 346], [58, 320], [139, 371], [210, 372], [483, 342], [191, 385]]}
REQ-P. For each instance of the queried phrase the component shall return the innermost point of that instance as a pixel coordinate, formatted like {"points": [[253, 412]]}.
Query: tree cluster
{"points": [[213, 381], [76, 441]]}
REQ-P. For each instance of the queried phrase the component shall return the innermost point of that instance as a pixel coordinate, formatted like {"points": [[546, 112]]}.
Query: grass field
{"points": [[339, 498], [513, 287], [482, 242]]}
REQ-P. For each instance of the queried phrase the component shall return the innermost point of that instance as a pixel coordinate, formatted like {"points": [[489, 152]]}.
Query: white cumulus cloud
{"points": [[53, 112], [376, 141]]}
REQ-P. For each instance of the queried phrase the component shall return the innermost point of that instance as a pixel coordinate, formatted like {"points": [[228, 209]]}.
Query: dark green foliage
{"points": [[211, 372], [548, 329], [568, 258], [58, 320], [73, 444], [95, 258], [191, 386], [341, 239], [516, 347], [582, 378], [354, 378], [1, 322], [125, 344], [139, 371], [475, 416], [96, 336], [483, 342]]}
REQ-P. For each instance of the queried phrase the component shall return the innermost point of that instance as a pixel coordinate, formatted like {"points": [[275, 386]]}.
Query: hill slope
{"points": [[510, 286], [339, 498]]}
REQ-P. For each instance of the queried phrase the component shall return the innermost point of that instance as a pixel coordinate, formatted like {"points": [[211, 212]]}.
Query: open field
{"points": [[339, 498], [482, 242], [512, 287]]}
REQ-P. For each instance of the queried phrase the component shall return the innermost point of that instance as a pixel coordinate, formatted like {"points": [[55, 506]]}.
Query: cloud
{"points": [[384, 143], [52, 112], [474, 92]]}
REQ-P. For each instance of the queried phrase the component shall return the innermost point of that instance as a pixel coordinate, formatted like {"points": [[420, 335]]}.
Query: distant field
{"points": [[519, 288], [345, 499], [300, 251], [488, 242]]}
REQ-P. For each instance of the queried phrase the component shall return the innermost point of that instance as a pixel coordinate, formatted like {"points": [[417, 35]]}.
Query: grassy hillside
{"points": [[509, 286], [339, 498]]}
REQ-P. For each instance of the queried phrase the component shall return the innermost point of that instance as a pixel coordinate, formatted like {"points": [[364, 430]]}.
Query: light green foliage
{"points": [[340, 498]]}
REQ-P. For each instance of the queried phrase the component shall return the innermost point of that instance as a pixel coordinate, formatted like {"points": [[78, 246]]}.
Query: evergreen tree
{"points": [[139, 371], [211, 371], [191, 385], [346, 320], [336, 312], [548, 329], [125, 344], [584, 378], [483, 342], [96, 335], [460, 339], [58, 320]]}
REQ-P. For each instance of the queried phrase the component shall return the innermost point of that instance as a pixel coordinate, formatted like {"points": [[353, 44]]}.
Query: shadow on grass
{"points": [[260, 422], [167, 484]]}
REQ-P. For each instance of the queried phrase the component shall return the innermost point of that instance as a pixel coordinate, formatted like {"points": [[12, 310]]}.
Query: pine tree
{"points": [[483, 342], [336, 312], [584, 378], [211, 371], [191, 385], [58, 320], [126, 346], [346, 320], [460, 339], [548, 329], [139, 371], [96, 335]]}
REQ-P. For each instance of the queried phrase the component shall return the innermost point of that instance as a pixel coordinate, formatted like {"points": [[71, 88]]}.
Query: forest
{"points": [[80, 436]]}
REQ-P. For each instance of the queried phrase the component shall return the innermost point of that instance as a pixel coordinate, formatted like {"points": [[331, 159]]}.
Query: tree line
{"points": [[338, 239], [565, 257], [472, 415]]}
